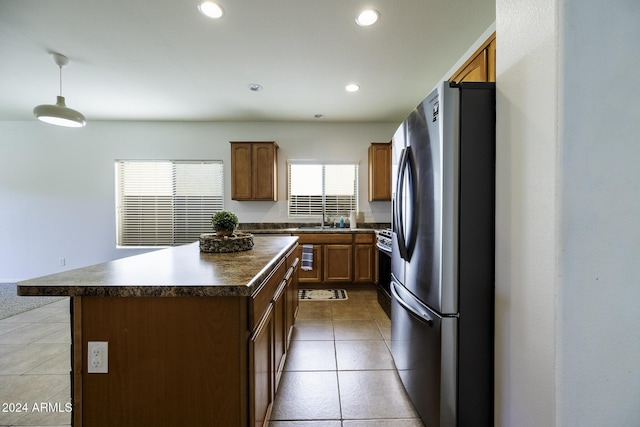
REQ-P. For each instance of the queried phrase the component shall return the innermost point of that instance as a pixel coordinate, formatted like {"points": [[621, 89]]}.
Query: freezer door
{"points": [[424, 348]]}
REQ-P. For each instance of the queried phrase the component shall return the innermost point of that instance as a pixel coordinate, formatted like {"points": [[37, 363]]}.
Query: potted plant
{"points": [[224, 222]]}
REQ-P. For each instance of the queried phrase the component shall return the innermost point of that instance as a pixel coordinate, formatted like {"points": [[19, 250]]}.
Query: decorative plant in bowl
{"points": [[224, 223]]}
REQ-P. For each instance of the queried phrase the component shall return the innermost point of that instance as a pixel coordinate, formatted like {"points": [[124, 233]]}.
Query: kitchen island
{"points": [[193, 338]]}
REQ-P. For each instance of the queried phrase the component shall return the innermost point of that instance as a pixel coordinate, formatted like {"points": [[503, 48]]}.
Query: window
{"points": [[311, 184], [164, 203]]}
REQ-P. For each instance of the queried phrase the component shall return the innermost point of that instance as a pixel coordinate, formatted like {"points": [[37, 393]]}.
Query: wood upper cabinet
{"points": [[254, 171], [481, 66], [380, 171]]}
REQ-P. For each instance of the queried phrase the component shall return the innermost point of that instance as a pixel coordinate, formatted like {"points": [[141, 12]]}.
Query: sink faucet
{"points": [[323, 213]]}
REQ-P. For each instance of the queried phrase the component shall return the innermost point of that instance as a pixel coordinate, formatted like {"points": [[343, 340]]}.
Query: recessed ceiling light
{"points": [[255, 87], [211, 9], [367, 17], [352, 87]]}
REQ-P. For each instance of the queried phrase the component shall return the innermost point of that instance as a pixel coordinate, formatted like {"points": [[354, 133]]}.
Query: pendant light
{"points": [[59, 114]]}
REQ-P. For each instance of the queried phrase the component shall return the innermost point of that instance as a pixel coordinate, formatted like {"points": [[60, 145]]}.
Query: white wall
{"points": [[599, 245], [57, 184], [568, 241], [526, 212]]}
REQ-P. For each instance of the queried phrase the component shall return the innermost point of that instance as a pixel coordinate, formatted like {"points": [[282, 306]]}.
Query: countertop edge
{"points": [[292, 231], [158, 290]]}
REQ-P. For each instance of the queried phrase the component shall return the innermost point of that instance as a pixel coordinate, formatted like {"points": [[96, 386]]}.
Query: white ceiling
{"points": [[163, 60]]}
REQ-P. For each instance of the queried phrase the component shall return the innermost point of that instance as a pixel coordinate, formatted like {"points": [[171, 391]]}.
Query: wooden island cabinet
{"points": [[193, 338]]}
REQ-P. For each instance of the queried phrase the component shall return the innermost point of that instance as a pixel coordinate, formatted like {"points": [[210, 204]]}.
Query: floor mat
{"points": [[322, 294]]}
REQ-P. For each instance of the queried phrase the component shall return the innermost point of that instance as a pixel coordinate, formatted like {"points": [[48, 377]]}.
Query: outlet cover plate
{"points": [[98, 357]]}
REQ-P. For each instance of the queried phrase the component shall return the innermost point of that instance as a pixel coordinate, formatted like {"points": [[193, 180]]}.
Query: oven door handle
{"points": [[385, 249]]}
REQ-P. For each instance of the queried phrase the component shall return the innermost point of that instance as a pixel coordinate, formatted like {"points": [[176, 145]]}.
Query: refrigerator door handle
{"points": [[399, 202], [410, 238], [413, 309]]}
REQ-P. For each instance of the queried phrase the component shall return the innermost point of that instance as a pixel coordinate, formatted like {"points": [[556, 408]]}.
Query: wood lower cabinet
{"points": [[364, 257], [197, 361], [261, 373], [314, 275], [338, 263], [339, 257], [169, 359], [363, 261], [293, 270], [281, 332]]}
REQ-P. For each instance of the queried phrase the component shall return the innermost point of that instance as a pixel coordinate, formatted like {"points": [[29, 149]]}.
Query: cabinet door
{"points": [[379, 171], [491, 61], [264, 171], [315, 275], [254, 173], [261, 370], [338, 261], [363, 263], [481, 66], [280, 331], [475, 71], [241, 171], [292, 298]]}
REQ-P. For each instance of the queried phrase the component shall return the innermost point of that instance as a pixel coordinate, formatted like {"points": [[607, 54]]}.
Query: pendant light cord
{"points": [[60, 66]]}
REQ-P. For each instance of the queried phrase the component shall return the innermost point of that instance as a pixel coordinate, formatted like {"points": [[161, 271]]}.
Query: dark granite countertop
{"points": [[301, 228], [173, 272], [305, 230]]}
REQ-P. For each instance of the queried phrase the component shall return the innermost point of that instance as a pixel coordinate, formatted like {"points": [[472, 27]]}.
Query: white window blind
{"points": [[312, 184], [165, 203]]}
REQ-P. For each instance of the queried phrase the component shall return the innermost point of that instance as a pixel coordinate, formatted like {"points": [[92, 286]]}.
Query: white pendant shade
{"points": [[59, 114]]}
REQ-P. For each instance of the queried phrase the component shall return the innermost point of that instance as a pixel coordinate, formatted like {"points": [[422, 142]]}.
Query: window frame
{"points": [[334, 209]]}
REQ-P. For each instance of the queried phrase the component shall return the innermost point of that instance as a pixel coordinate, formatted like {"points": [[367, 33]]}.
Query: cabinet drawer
{"points": [[363, 237], [292, 256], [261, 299], [325, 238]]}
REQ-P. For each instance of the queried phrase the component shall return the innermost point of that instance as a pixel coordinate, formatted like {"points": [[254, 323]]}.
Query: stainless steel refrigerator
{"points": [[442, 284]]}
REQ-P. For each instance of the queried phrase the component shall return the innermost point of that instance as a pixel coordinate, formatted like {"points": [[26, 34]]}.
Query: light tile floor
{"points": [[339, 371], [35, 362]]}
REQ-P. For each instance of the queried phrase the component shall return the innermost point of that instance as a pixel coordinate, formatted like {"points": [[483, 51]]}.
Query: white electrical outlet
{"points": [[98, 357]]}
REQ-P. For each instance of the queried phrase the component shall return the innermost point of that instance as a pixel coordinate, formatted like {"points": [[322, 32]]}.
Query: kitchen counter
{"points": [[304, 228], [172, 272], [309, 230], [179, 337]]}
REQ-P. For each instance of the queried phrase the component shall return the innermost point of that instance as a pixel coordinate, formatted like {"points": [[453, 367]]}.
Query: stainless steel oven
{"points": [[383, 278]]}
